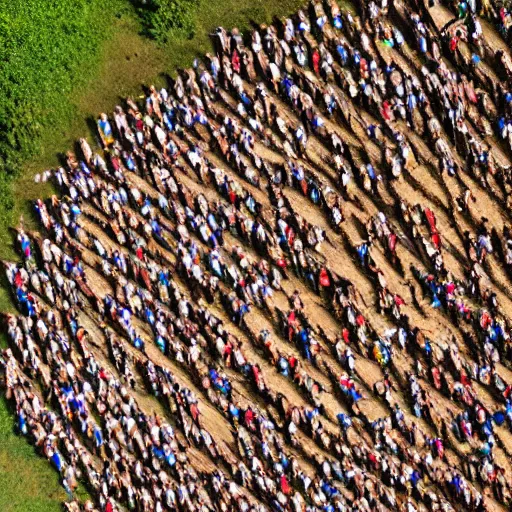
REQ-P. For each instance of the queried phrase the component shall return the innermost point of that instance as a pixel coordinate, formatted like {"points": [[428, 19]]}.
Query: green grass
{"points": [[27, 483], [127, 61]]}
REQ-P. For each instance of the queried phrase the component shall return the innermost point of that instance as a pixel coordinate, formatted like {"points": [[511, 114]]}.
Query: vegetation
{"points": [[46, 50], [27, 483], [164, 19]]}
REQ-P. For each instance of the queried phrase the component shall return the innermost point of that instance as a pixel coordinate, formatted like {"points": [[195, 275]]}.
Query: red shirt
{"points": [[316, 61], [249, 416], [281, 262], [399, 301], [256, 373], [454, 41], [18, 281], [324, 278], [386, 111], [285, 486], [436, 240]]}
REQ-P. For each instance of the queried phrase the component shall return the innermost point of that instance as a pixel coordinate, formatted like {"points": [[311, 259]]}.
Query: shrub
{"points": [[164, 19]]}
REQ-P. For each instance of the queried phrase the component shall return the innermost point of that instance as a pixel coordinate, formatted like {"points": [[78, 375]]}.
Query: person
{"points": [[105, 130]]}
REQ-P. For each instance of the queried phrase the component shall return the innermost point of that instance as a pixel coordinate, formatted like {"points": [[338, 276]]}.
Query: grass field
{"points": [[128, 60], [27, 483]]}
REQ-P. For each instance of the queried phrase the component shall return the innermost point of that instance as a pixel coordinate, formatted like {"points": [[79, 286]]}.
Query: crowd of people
{"points": [[213, 316]]}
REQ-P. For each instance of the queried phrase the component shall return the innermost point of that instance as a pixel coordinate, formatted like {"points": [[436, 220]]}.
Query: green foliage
{"points": [[164, 19], [46, 49], [26, 481]]}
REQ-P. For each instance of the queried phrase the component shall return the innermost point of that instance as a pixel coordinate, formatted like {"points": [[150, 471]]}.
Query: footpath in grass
{"points": [[127, 60]]}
